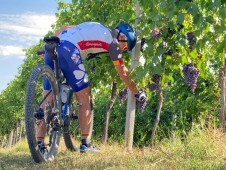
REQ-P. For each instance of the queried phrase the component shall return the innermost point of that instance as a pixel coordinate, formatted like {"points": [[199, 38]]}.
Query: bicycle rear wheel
{"points": [[37, 110], [71, 130]]}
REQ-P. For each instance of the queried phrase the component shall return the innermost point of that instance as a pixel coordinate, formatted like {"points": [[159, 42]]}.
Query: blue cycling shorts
{"points": [[70, 63]]}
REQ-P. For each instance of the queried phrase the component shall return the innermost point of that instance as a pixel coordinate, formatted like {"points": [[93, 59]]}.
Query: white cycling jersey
{"points": [[91, 37], [75, 44]]}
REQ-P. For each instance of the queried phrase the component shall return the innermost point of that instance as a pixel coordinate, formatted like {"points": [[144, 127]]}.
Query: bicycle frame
{"points": [[59, 84]]}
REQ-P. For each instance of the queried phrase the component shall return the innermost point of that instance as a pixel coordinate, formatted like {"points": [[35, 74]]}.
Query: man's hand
{"points": [[141, 95]]}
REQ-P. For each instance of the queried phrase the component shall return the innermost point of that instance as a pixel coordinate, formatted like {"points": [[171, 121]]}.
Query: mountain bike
{"points": [[60, 115]]}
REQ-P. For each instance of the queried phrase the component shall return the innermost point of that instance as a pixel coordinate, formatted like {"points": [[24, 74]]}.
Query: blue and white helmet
{"points": [[129, 33]]}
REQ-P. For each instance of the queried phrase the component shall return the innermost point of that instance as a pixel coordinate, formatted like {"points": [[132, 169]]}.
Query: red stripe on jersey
{"points": [[93, 44]]}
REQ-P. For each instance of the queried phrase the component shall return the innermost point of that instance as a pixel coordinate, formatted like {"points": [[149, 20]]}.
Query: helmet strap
{"points": [[118, 34]]}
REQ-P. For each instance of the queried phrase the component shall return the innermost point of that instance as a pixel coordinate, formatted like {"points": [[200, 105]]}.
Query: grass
{"points": [[202, 150]]}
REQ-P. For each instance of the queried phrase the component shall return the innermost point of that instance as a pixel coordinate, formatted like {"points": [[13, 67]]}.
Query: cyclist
{"points": [[76, 43]]}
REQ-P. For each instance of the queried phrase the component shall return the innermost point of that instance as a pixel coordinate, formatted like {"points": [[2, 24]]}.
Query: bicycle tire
{"points": [[72, 131], [32, 87]]}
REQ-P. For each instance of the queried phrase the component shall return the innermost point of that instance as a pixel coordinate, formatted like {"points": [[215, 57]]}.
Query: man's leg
{"points": [[72, 66], [40, 124], [85, 118]]}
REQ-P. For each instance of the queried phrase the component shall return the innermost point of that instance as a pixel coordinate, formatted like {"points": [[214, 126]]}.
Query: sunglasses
{"points": [[122, 40], [126, 46]]}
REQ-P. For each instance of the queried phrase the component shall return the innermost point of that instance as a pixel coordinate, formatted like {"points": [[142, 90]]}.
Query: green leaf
{"points": [[184, 59], [209, 19], [194, 54], [180, 18], [193, 9]]}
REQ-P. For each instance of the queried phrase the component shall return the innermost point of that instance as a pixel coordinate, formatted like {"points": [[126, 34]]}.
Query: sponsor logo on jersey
{"points": [[76, 58], [93, 44], [67, 49]]}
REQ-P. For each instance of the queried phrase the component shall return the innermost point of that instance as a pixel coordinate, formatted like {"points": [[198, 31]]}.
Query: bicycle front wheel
{"points": [[41, 115]]}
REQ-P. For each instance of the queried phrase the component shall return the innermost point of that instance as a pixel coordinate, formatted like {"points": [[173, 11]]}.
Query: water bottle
{"points": [[64, 99], [64, 93]]}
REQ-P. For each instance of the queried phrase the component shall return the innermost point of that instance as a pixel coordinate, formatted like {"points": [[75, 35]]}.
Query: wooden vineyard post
{"points": [[174, 123], [10, 141], [131, 102], [222, 109], [21, 129]]}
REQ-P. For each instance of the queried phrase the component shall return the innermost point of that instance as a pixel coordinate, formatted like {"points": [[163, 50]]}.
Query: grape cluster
{"points": [[141, 105], [156, 33], [123, 95], [191, 39], [154, 86], [191, 75], [156, 78], [151, 86]]}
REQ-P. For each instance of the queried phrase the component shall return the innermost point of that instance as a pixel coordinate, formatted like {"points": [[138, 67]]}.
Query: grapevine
{"points": [[93, 68]]}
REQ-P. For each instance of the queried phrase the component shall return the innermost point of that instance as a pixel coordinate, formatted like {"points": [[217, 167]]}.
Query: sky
{"points": [[22, 24]]}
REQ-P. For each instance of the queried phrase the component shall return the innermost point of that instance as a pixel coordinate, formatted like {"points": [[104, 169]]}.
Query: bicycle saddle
{"points": [[52, 39], [51, 46]]}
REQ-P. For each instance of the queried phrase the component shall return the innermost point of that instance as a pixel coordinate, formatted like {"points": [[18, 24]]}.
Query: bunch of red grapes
{"points": [[156, 33], [155, 85], [123, 96], [191, 75], [141, 105], [191, 39]]}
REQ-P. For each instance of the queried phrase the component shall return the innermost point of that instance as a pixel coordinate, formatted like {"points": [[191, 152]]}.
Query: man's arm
{"points": [[124, 75], [116, 56], [62, 28]]}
